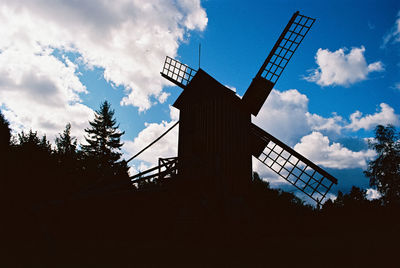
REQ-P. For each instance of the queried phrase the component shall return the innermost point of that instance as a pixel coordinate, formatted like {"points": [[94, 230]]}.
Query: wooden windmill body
{"points": [[213, 143]]}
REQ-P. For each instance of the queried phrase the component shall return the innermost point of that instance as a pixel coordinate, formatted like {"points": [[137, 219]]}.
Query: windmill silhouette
{"points": [[217, 138]]}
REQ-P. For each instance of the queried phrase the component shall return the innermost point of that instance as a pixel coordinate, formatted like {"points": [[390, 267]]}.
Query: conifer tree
{"points": [[5, 132], [104, 144], [68, 162], [31, 142], [66, 145]]}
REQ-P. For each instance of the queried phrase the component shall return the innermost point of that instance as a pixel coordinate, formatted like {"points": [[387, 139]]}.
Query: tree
{"points": [[357, 195], [5, 132], [5, 157], [340, 200], [34, 168], [355, 199], [66, 145], [31, 143], [384, 171], [68, 163], [104, 145], [5, 140]]}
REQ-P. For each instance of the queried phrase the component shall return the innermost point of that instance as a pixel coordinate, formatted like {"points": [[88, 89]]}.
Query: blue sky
{"points": [[60, 60]]}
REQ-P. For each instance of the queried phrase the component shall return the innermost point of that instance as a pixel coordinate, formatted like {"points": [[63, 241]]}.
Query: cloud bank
{"points": [[41, 89], [321, 151], [385, 116]]}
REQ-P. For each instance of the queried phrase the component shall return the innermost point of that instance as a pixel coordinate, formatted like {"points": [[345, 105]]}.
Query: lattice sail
{"points": [[291, 166], [284, 48], [178, 73], [278, 58]]}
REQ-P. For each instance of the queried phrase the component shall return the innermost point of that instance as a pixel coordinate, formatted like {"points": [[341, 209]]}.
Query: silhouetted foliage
{"points": [[263, 193], [32, 143], [384, 171], [56, 215], [357, 195], [66, 145], [33, 169], [70, 164], [103, 149], [5, 142], [356, 198], [5, 132]]}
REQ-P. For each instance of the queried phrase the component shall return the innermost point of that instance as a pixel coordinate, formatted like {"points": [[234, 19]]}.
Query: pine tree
{"points": [[68, 162], [66, 145], [31, 142], [104, 144], [35, 168]]}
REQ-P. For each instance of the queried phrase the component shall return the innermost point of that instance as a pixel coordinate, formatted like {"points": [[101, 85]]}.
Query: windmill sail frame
{"points": [[272, 68], [291, 166], [284, 48], [178, 73]]}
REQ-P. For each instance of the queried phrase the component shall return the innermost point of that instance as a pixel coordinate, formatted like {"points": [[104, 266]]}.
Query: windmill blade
{"points": [[178, 73], [278, 58], [290, 165], [284, 48]]}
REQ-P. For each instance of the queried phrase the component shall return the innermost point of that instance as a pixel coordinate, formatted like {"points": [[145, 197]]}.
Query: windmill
{"points": [[217, 138]]}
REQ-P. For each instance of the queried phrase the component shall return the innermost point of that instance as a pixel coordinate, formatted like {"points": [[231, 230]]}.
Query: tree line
{"points": [[34, 167], [33, 170]]}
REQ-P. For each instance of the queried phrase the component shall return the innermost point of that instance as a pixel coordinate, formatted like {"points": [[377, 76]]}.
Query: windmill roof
{"points": [[203, 87]]}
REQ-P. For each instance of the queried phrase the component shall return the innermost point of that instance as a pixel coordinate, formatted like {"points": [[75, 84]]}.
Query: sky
{"points": [[59, 60]]}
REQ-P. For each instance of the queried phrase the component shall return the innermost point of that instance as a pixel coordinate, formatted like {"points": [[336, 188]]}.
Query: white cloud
{"points": [[127, 39], [318, 149], [135, 169], [285, 115], [394, 33], [267, 174], [385, 116], [339, 68], [173, 113], [196, 16], [165, 147], [373, 194], [39, 91], [332, 124]]}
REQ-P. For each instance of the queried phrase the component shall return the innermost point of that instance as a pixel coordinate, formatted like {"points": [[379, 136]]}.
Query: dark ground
{"points": [[170, 227]]}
